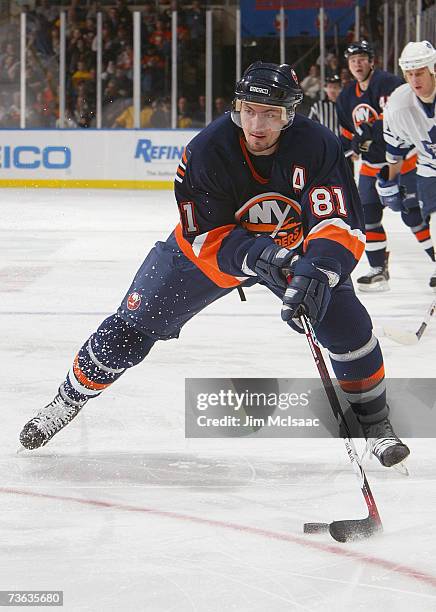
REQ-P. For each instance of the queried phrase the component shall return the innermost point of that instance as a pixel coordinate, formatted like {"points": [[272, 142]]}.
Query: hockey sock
{"points": [[375, 244], [104, 357], [421, 230], [360, 374]]}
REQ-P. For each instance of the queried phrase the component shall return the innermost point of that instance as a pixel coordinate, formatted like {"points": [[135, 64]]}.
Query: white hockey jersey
{"points": [[409, 123]]}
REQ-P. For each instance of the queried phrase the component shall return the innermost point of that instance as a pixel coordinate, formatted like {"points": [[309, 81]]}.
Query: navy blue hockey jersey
{"points": [[232, 203], [355, 106]]}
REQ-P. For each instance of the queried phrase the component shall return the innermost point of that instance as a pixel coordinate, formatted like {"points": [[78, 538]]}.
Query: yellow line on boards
{"points": [[85, 184]]}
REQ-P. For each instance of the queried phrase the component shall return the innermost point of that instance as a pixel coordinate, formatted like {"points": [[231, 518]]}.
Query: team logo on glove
{"points": [[133, 301], [274, 214]]}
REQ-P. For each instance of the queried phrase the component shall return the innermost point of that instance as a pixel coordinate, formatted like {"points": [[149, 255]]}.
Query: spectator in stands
{"points": [[184, 118], [311, 84], [83, 114], [161, 117], [195, 22], [332, 65], [199, 115], [127, 118], [111, 92], [80, 74], [220, 107], [123, 82], [160, 38], [69, 120]]}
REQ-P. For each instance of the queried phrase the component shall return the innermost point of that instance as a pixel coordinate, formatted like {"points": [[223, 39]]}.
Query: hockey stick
{"points": [[408, 337], [346, 530]]}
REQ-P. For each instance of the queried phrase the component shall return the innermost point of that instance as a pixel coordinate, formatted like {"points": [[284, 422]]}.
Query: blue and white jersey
{"points": [[410, 123]]}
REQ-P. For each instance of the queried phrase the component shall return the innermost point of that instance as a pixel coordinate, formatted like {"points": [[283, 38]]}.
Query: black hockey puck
{"points": [[316, 527]]}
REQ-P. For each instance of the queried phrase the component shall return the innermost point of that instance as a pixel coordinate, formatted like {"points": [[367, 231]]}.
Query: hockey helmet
{"points": [[271, 84], [418, 55], [358, 48], [333, 79]]}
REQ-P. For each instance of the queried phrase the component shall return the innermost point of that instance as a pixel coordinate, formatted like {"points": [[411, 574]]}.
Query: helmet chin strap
{"points": [[368, 76]]}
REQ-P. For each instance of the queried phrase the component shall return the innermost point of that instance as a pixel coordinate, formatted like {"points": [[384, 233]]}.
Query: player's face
{"points": [[421, 81], [261, 125], [360, 66]]}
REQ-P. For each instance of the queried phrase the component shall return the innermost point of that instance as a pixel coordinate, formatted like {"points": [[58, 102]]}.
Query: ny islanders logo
{"points": [[274, 214], [364, 113]]}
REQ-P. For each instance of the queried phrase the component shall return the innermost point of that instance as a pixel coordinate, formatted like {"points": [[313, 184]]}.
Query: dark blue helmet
{"points": [[359, 47], [265, 83]]}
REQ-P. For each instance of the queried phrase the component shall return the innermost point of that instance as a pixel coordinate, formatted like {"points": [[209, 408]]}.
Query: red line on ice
{"points": [[398, 568]]}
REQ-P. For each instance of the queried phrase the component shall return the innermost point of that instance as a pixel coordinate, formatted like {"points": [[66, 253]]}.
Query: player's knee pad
{"points": [[117, 344]]}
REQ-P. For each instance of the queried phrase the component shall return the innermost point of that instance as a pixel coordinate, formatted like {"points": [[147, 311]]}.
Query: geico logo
{"points": [[30, 157], [262, 90], [149, 152]]}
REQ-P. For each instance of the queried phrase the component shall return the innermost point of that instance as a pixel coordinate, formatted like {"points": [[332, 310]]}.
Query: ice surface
{"points": [[120, 511]]}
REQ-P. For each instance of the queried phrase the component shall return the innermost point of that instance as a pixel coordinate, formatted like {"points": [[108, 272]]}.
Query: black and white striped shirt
{"points": [[324, 111]]}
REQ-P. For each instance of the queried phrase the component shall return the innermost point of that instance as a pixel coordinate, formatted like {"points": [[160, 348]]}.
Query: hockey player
{"points": [[263, 194], [360, 110], [410, 122]]}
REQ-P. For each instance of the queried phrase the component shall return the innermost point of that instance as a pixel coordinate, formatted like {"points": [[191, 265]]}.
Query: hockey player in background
{"points": [[265, 196], [409, 123], [360, 109]]}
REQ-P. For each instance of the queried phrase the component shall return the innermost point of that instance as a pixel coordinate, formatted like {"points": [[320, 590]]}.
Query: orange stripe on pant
{"points": [[375, 237], [423, 235], [83, 380], [207, 261], [340, 235], [363, 384]]}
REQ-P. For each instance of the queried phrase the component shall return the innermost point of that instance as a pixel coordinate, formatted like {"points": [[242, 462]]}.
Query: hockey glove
{"points": [[391, 194], [309, 291], [273, 265], [363, 139]]}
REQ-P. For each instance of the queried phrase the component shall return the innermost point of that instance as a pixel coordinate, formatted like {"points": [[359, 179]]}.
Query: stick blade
{"points": [[402, 337], [352, 530], [316, 527]]}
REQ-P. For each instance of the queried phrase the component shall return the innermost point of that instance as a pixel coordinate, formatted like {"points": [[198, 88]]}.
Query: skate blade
{"points": [[401, 468], [406, 338], [377, 288]]}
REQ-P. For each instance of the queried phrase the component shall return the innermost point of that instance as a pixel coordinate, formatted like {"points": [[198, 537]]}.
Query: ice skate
{"points": [[384, 444], [376, 280], [48, 422]]}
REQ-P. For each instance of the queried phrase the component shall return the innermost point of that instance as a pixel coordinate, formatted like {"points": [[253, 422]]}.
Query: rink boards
{"points": [[106, 159]]}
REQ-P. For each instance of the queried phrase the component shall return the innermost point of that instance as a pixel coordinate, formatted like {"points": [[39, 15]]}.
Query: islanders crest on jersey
{"points": [[273, 214]]}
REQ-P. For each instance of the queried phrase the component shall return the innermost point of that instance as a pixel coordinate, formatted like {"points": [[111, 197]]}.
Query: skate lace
{"points": [[54, 416], [374, 271], [380, 436]]}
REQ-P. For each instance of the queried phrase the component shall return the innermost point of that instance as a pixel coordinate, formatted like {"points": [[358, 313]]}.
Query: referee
{"points": [[324, 111]]}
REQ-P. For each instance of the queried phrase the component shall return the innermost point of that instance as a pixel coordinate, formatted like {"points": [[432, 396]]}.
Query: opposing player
{"points": [[360, 109], [263, 193], [410, 122]]}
